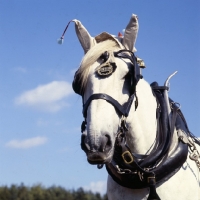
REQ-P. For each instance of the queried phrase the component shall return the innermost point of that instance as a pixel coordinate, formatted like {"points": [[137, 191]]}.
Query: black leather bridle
{"points": [[135, 77]]}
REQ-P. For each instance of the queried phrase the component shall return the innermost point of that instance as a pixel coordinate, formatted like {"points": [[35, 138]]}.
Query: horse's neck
{"points": [[142, 121]]}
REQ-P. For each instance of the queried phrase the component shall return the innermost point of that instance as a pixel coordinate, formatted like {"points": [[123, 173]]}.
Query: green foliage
{"points": [[38, 192]]}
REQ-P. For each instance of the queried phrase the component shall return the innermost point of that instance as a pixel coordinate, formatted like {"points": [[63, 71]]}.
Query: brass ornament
{"points": [[108, 66], [106, 69]]}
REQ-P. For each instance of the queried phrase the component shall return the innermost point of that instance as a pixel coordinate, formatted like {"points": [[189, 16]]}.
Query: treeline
{"points": [[38, 192]]}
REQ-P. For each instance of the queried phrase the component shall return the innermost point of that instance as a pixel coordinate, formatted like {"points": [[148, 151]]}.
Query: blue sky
{"points": [[40, 116]]}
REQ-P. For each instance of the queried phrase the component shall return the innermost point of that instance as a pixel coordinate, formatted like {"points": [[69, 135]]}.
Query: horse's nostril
{"points": [[84, 146], [105, 143], [109, 143]]}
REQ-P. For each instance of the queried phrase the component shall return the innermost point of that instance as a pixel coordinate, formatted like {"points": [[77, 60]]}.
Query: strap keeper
{"points": [[151, 180]]}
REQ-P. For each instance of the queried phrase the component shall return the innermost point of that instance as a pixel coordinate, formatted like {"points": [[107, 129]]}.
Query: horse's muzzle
{"points": [[100, 153]]}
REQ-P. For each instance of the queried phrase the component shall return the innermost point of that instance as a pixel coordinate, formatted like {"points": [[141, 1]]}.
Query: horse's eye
{"points": [[104, 56]]}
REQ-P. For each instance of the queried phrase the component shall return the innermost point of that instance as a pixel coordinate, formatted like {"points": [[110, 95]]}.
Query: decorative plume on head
{"points": [[87, 41]]}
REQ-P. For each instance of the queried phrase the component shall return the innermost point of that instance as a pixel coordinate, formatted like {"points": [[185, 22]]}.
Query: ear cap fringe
{"points": [[61, 39], [130, 33]]}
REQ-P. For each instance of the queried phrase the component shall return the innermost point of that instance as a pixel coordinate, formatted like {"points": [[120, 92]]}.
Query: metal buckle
{"points": [[127, 153], [151, 179], [178, 105], [124, 171]]}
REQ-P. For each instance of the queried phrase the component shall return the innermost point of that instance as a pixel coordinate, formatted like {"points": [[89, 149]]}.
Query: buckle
{"points": [[128, 155], [151, 179]]}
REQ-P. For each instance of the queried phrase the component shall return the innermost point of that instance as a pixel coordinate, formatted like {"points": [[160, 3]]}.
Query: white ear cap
{"points": [[130, 33], [87, 42]]}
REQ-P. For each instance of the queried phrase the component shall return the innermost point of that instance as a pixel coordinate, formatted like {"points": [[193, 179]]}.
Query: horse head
{"points": [[106, 80]]}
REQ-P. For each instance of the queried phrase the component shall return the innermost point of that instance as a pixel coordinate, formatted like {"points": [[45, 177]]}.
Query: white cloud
{"points": [[27, 143], [48, 97], [99, 186]]}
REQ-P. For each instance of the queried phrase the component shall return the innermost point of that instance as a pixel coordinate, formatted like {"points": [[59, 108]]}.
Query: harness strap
{"points": [[160, 88], [173, 118], [123, 110]]}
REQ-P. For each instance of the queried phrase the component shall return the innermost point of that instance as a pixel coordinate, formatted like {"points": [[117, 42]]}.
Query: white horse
{"points": [[122, 128]]}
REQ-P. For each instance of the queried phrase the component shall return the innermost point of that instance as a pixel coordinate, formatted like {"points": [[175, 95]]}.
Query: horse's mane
{"points": [[91, 57]]}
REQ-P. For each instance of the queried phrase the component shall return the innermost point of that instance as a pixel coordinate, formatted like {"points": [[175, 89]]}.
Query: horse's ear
{"points": [[87, 42], [130, 33]]}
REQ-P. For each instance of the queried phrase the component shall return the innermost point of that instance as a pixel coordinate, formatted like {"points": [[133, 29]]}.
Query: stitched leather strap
{"points": [[120, 108]]}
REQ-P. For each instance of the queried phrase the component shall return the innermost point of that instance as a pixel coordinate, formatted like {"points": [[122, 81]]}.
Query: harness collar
{"points": [[140, 171]]}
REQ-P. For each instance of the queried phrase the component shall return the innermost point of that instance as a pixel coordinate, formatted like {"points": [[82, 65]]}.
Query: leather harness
{"points": [[140, 171], [137, 171]]}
